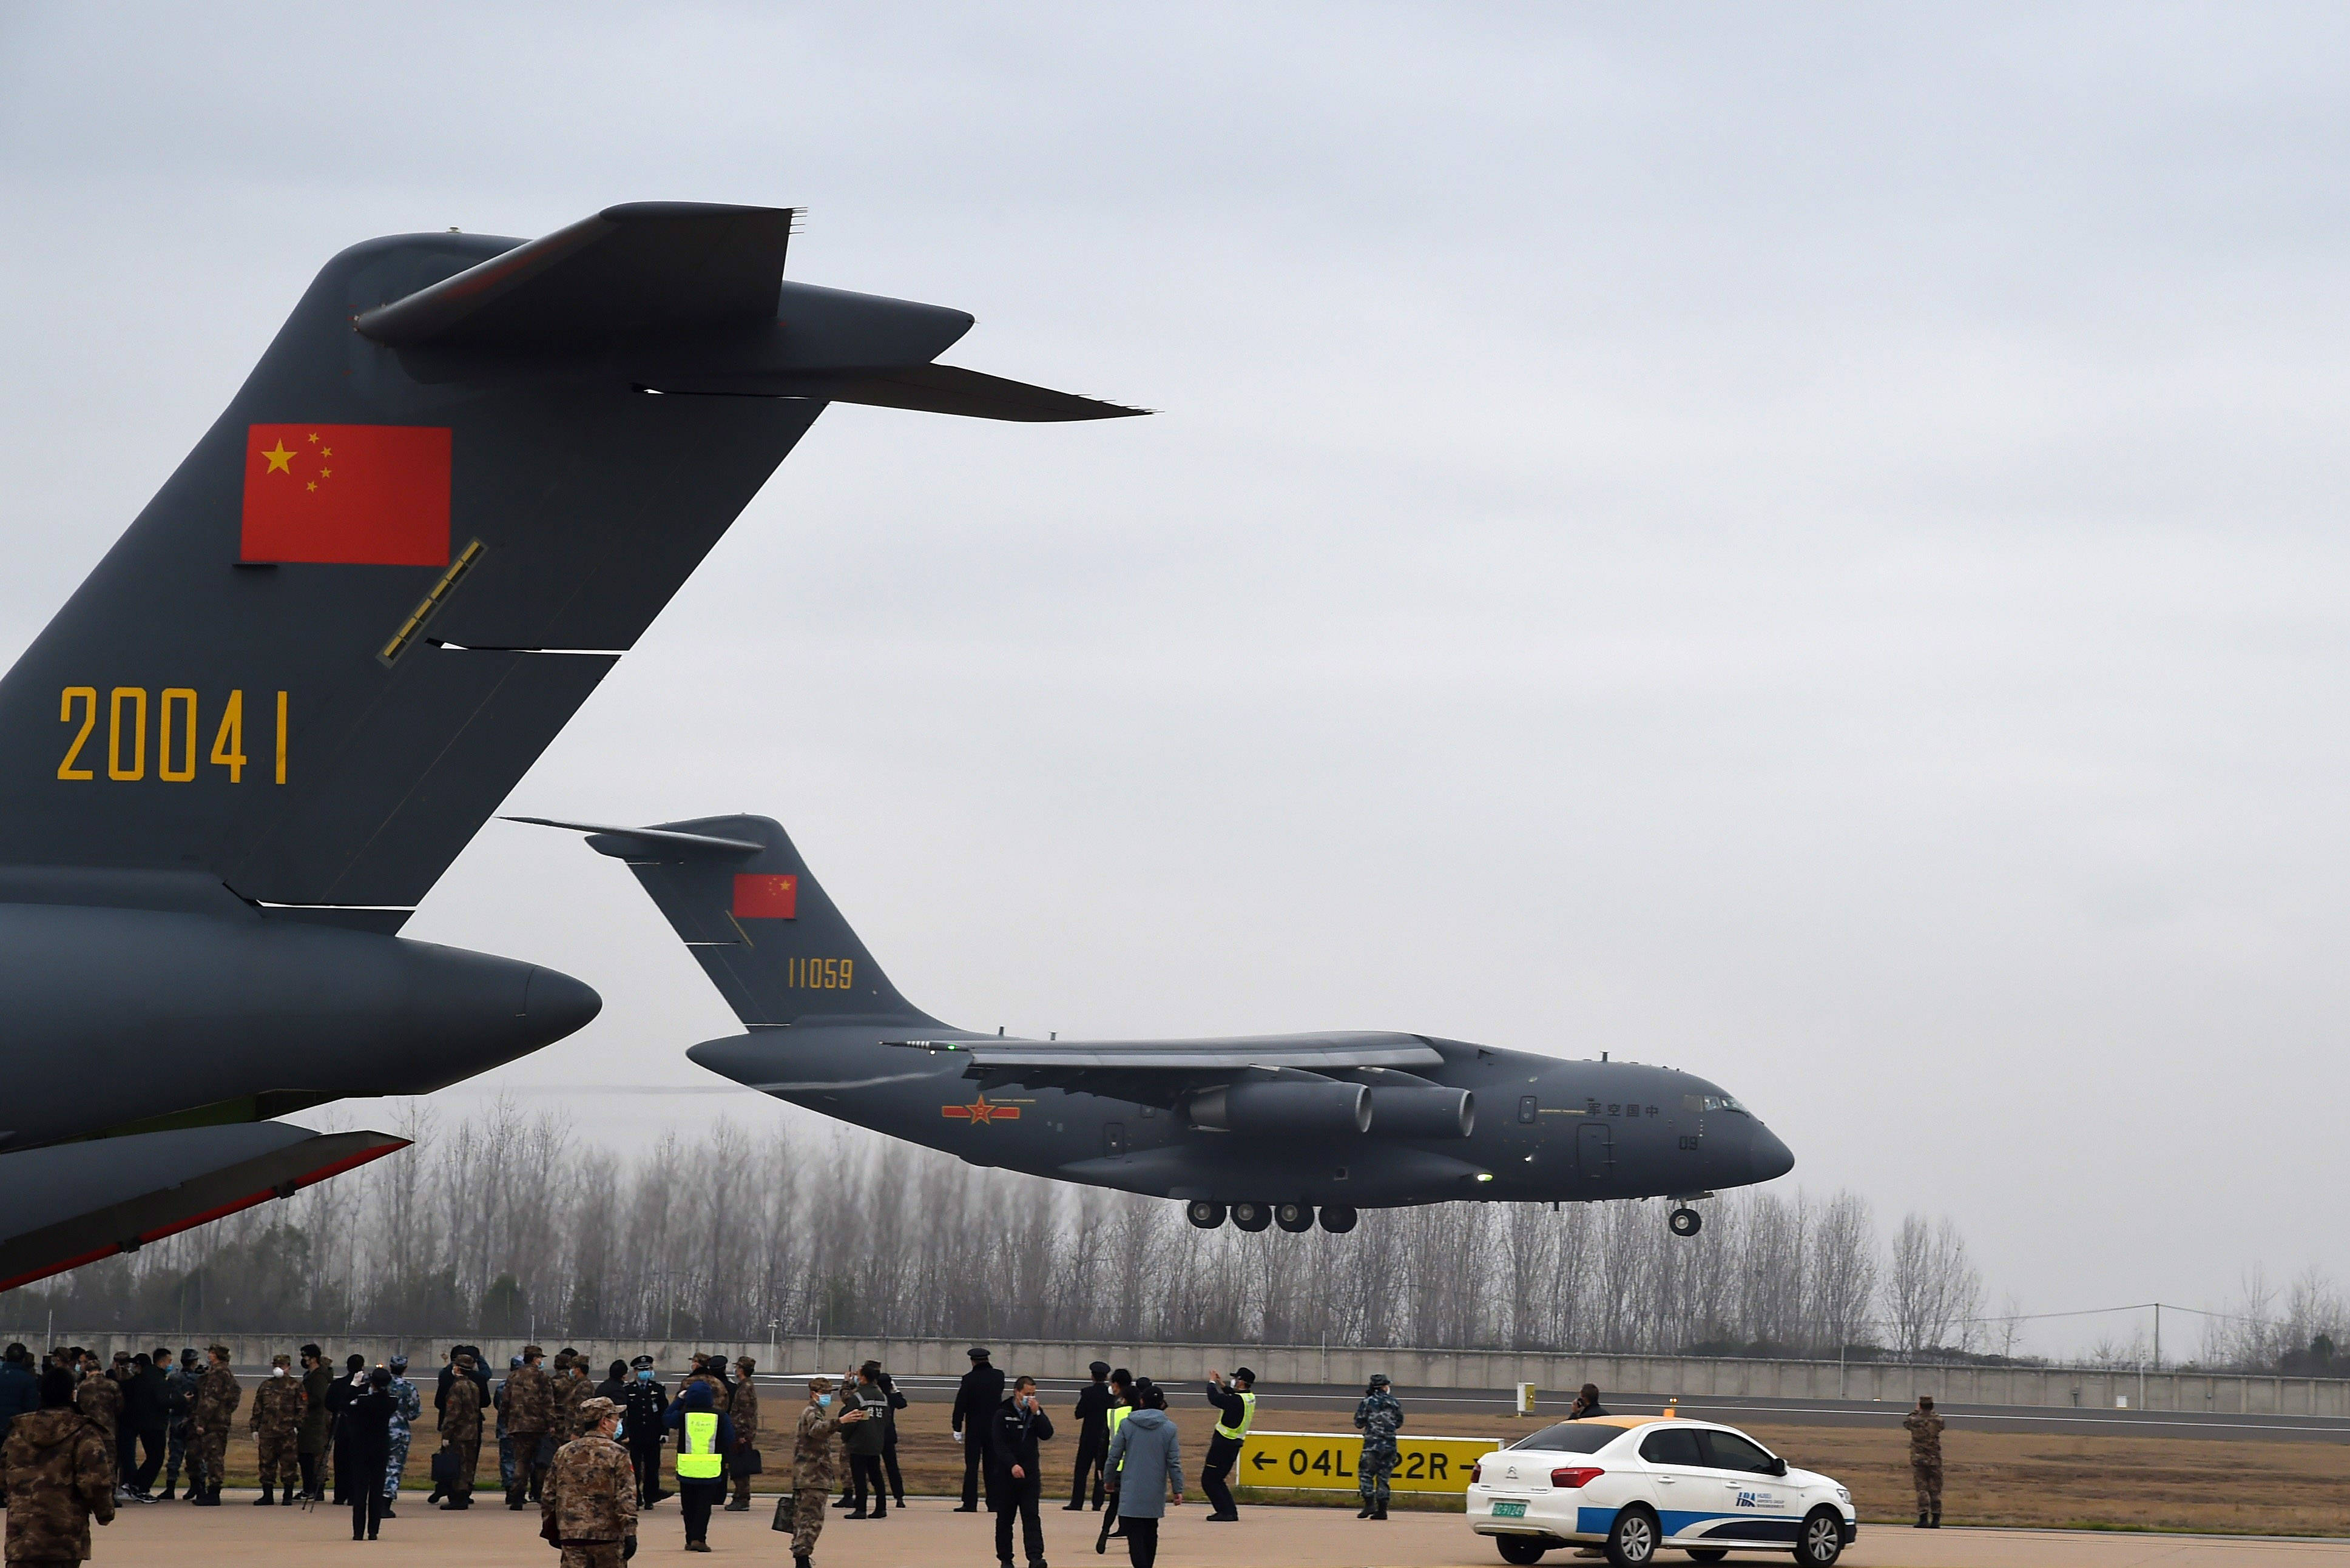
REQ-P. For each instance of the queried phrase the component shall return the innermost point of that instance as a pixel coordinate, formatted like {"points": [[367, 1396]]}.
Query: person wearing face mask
{"points": [[1015, 1481], [275, 1422], [816, 1450], [347, 1387], [408, 1406], [640, 1424]]}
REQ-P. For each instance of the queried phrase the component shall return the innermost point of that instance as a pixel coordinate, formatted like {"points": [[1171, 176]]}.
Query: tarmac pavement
{"points": [[930, 1534]]}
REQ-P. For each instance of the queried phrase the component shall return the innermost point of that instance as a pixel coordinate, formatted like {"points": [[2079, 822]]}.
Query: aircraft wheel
{"points": [[1686, 1221], [1293, 1217], [1205, 1215], [1337, 1217], [1252, 1216]]}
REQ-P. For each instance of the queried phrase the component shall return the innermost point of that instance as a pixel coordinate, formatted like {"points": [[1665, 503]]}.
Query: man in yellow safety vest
{"points": [[705, 1437], [1236, 1398]]}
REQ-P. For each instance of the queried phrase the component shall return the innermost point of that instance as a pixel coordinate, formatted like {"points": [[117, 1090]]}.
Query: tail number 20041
{"points": [[177, 729]]}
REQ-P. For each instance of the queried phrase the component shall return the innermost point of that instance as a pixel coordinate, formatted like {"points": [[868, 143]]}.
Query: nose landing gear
{"points": [[1685, 1221]]}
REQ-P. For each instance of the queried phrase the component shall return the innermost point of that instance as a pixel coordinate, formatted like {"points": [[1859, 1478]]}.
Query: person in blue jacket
{"points": [[705, 1437]]}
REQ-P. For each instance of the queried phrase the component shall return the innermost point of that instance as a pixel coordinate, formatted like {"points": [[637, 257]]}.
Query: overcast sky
{"points": [[1801, 544]]}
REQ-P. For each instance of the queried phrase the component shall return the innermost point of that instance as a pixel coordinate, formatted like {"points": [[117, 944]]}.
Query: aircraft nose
{"points": [[1770, 1158], [555, 1005]]}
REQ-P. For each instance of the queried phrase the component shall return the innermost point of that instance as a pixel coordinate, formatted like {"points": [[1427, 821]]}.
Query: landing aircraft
{"points": [[1264, 1130], [460, 483]]}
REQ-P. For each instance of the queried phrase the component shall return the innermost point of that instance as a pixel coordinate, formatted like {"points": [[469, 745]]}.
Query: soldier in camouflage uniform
{"points": [[407, 1408], [57, 1472], [1378, 1417], [816, 1449], [571, 1386], [742, 1410], [530, 1417], [1926, 1460], [589, 1509], [100, 1399], [217, 1397], [276, 1423], [180, 1427], [460, 1429]]}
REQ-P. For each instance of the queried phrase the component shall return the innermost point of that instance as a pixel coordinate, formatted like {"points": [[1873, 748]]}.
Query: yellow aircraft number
{"points": [[820, 974], [176, 729]]}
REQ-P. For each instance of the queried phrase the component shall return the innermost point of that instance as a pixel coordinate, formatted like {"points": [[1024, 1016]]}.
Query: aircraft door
{"points": [[1595, 1150]]}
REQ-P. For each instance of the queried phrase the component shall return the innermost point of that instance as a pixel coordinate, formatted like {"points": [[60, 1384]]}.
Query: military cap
{"points": [[219, 1350], [1243, 1374], [397, 1364], [640, 1363], [530, 1350], [281, 1359], [1099, 1369], [188, 1358], [513, 1362], [978, 1353], [562, 1360], [121, 1355], [1379, 1379], [819, 1385], [595, 1409]]}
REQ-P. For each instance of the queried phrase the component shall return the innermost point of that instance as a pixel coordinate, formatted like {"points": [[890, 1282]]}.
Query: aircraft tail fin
{"points": [[765, 930], [462, 480]]}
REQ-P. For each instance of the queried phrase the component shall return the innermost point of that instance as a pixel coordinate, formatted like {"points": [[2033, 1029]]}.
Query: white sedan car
{"points": [[1633, 1484]]}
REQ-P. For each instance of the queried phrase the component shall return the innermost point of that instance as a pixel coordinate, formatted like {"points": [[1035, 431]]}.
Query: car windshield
{"points": [[1571, 1438]]}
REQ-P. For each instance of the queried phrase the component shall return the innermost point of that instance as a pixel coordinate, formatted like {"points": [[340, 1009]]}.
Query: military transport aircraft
{"points": [[1264, 1130], [462, 480]]}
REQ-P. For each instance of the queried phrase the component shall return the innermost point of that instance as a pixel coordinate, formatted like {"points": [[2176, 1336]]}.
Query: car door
{"points": [[1755, 1498], [1688, 1494]]}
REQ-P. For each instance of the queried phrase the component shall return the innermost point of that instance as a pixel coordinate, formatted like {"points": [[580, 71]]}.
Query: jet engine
{"points": [[1434, 1112], [1302, 1103]]}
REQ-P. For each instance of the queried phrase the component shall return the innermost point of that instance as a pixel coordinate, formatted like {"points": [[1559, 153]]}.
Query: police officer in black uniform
{"points": [[1093, 1436], [977, 1400], [642, 1409]]}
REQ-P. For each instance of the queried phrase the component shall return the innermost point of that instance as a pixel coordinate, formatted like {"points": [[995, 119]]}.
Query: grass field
{"points": [[1990, 1478]]}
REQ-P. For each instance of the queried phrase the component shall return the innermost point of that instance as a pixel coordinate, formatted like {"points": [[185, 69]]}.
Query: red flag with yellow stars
{"points": [[765, 897], [374, 496]]}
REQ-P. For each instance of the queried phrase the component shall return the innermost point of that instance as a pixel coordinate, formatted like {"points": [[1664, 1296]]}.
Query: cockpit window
{"points": [[1702, 1103]]}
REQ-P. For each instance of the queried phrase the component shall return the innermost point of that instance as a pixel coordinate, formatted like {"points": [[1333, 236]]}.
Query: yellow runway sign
{"points": [[1329, 1460]]}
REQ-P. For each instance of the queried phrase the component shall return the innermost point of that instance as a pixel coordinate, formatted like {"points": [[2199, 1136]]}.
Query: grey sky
{"points": [[1801, 544]]}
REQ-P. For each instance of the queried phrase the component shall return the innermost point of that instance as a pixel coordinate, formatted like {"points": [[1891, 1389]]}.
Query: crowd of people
{"points": [[80, 1440]]}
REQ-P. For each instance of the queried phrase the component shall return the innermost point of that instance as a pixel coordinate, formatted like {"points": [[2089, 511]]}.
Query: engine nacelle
{"points": [[1434, 1112], [1284, 1106]]}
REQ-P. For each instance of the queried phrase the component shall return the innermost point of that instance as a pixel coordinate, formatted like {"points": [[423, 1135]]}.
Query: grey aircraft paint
{"points": [[1269, 1128], [460, 483]]}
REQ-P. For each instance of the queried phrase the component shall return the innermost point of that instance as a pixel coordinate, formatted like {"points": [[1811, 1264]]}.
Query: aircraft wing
{"points": [[75, 1203], [1160, 1071]]}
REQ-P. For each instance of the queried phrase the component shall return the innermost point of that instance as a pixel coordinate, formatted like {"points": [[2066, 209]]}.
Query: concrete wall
{"points": [[2210, 1393]]}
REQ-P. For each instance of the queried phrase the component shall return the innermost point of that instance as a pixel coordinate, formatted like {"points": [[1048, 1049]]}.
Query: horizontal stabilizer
{"points": [[75, 1203], [643, 266], [650, 843], [923, 388], [1311, 1052]]}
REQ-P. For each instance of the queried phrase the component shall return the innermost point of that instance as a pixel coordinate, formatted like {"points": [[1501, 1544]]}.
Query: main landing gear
{"points": [[1294, 1218], [1685, 1221]]}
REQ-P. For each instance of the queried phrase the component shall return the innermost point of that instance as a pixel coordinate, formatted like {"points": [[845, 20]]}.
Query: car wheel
{"points": [[1821, 1540], [1522, 1548], [1708, 1554], [1633, 1542], [1205, 1215]]}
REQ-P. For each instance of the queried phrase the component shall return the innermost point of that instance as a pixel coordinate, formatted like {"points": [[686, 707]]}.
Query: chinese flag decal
{"points": [[763, 897], [368, 495]]}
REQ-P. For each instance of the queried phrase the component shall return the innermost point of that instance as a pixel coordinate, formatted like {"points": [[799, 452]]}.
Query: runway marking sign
{"points": [[1330, 1461]]}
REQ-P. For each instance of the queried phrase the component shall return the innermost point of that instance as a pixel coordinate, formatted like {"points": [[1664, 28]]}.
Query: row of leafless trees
{"points": [[506, 1223]]}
